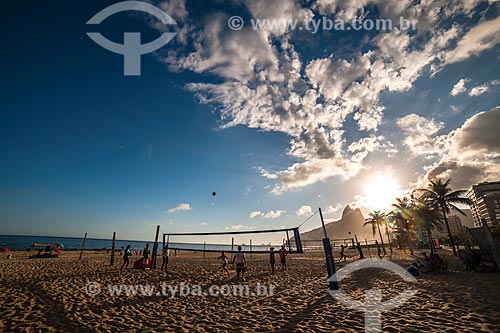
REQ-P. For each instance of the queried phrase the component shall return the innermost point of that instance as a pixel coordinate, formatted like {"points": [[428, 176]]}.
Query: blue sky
{"points": [[276, 122]]}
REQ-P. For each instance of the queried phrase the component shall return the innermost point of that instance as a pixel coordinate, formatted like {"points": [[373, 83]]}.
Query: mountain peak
{"points": [[346, 211]]}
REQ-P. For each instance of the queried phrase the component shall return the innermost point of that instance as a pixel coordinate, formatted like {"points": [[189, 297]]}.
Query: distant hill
{"points": [[349, 225]]}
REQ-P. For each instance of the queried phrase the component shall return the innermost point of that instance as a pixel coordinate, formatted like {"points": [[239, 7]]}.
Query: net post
{"points": [[163, 241], [298, 241], [288, 240], [330, 263], [204, 248], [112, 260], [368, 248], [155, 248], [232, 248], [83, 246], [358, 246], [250, 248]]}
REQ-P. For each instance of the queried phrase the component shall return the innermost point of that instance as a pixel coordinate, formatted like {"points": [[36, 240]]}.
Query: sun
{"points": [[381, 191]]}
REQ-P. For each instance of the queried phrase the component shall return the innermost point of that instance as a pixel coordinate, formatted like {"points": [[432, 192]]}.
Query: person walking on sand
{"points": [[272, 260], [126, 257], [146, 253], [241, 263], [164, 255], [283, 257], [224, 262], [342, 255]]}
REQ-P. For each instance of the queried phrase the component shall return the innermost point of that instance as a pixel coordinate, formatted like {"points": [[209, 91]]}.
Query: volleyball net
{"points": [[253, 241]]}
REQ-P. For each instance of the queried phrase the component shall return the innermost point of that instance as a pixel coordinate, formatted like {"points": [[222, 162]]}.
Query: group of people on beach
{"points": [[239, 260], [427, 264], [146, 257]]}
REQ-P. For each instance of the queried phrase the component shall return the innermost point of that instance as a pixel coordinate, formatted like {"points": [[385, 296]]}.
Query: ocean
{"points": [[21, 243]]}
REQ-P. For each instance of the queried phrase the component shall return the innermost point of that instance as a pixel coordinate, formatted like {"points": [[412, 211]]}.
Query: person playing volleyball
{"points": [[241, 263]]}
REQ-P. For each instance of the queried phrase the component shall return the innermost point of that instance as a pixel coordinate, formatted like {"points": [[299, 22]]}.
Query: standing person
{"points": [[272, 260], [379, 249], [360, 250], [126, 257], [469, 259], [224, 262], [164, 255], [146, 253], [283, 257], [241, 263], [342, 255]]}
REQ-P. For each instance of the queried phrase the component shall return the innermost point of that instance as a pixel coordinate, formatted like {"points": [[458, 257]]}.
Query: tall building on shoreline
{"points": [[485, 203], [456, 227]]}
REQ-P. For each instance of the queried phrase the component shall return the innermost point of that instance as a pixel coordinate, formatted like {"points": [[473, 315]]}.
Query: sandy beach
{"points": [[48, 295]]}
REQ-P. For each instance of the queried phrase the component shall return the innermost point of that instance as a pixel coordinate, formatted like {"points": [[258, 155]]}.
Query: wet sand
{"points": [[50, 295]]}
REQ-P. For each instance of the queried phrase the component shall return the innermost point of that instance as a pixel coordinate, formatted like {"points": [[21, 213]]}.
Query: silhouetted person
{"points": [[126, 257]]}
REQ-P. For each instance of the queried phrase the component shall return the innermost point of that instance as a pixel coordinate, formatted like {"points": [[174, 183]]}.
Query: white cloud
{"points": [[421, 136], [239, 227], [333, 209], [266, 85], [360, 201], [202, 224], [175, 9], [278, 11], [474, 153], [255, 214], [459, 87], [180, 207], [363, 146], [479, 90], [272, 214], [482, 37], [264, 173], [304, 210], [312, 171]]}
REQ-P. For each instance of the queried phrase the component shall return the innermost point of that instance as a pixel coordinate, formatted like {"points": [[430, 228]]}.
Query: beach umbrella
{"points": [[4, 249]]}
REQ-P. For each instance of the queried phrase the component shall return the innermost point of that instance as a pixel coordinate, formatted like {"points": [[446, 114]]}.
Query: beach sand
{"points": [[50, 295]]}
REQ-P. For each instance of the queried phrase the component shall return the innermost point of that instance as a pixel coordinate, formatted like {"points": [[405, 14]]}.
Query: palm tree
{"points": [[439, 195], [376, 219], [403, 218], [388, 219], [427, 216]]}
